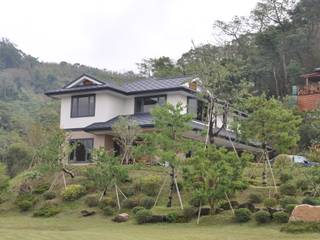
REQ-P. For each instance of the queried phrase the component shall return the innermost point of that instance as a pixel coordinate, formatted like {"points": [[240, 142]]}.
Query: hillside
{"points": [[23, 81]]}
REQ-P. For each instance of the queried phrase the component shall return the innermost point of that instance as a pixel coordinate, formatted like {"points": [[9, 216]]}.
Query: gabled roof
{"points": [[136, 87]]}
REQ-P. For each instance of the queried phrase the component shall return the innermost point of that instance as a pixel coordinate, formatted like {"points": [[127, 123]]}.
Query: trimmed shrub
{"points": [[129, 191], [107, 202], [89, 185], [255, 198], [137, 209], [311, 201], [287, 200], [242, 215], [73, 192], [262, 217], [92, 201], [285, 177], [280, 217], [49, 195], [150, 185], [189, 213], [301, 227], [270, 202], [288, 189], [289, 208], [172, 217], [143, 216], [108, 211], [25, 202], [47, 210], [147, 202], [131, 203], [41, 188]]}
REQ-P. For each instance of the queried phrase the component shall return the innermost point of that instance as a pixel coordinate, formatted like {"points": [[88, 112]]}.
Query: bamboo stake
{"points": [[117, 194], [161, 188], [178, 192], [53, 182], [199, 213], [64, 180], [229, 203], [122, 193], [272, 175]]}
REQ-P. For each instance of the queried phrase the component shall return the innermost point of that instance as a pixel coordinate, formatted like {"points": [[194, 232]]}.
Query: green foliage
{"points": [[73, 192], [4, 179], [255, 198], [17, 157], [270, 202], [262, 217], [92, 201], [150, 185], [285, 177], [301, 227], [310, 130], [195, 201], [212, 173], [108, 211], [41, 188], [108, 170], [172, 217], [288, 189], [312, 175], [311, 201], [137, 209], [271, 123], [49, 195], [25, 201], [143, 216], [47, 210], [107, 201], [280, 217], [147, 202], [302, 184], [287, 200], [242, 215]]}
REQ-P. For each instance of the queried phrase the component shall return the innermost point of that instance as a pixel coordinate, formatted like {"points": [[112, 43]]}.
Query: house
{"points": [[308, 94], [89, 108]]}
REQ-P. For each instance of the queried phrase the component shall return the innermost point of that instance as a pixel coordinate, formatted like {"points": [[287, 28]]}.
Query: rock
{"points": [[122, 217], [305, 213], [86, 213], [158, 219], [273, 210]]}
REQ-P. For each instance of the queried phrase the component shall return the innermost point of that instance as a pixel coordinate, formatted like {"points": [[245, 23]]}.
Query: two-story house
{"points": [[89, 108]]}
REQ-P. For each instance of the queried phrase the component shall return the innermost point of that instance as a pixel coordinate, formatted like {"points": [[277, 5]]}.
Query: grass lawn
{"points": [[17, 226]]}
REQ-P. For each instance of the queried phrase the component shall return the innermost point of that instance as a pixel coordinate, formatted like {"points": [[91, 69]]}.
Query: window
{"points": [[146, 104], [197, 108], [81, 150], [83, 106]]}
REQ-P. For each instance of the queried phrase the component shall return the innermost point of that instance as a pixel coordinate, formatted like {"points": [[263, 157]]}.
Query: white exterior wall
{"points": [[174, 99], [107, 107]]}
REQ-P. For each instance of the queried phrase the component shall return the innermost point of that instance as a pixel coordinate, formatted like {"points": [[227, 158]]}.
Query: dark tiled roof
{"points": [[142, 119], [140, 86]]}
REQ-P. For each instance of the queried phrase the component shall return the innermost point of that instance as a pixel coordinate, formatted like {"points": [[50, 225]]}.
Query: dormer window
{"points": [[83, 106]]}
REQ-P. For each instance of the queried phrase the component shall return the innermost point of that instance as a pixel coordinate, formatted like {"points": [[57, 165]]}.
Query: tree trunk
{"points": [[172, 185]]}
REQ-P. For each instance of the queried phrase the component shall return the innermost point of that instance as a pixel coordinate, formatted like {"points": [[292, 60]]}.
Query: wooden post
{"points": [[229, 203], [117, 194], [122, 193], [64, 180], [199, 213], [272, 175]]}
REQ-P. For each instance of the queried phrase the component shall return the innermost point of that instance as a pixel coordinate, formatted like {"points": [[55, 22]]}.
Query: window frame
{"points": [[196, 117], [76, 98], [143, 97], [76, 140]]}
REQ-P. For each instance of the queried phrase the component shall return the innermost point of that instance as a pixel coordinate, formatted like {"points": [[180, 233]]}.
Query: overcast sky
{"points": [[113, 34]]}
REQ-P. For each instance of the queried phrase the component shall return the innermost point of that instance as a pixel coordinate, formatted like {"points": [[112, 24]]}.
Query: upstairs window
{"points": [[83, 106], [146, 104]]}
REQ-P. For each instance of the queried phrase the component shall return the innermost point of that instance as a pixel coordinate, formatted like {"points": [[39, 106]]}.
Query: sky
{"points": [[113, 35]]}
